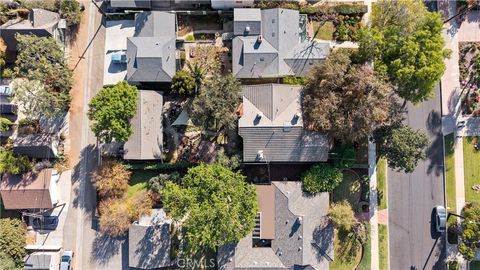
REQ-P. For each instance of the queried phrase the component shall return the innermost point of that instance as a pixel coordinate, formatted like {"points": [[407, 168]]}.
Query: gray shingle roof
{"points": [[151, 52], [292, 247], [130, 3], [36, 261], [280, 52], [149, 242], [279, 132], [36, 145], [40, 23], [147, 139]]}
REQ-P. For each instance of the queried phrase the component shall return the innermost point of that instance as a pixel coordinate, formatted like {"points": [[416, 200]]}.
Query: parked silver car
{"points": [[440, 218]]}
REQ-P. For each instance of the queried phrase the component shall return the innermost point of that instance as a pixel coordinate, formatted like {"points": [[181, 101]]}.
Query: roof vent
{"points": [[297, 115], [299, 220], [285, 179], [259, 39], [156, 43], [260, 155], [299, 248], [247, 28], [259, 115]]}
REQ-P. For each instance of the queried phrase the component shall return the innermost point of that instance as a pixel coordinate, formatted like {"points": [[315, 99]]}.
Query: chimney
{"points": [[259, 39]]}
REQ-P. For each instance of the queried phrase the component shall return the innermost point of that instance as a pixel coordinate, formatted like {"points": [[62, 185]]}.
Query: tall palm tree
{"points": [[198, 74]]}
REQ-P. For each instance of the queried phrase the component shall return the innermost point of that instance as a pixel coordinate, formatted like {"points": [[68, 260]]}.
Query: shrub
{"points": [[158, 182], [111, 179], [7, 73], [5, 124], [10, 163], [321, 178], [342, 215], [190, 37], [70, 10], [183, 84], [350, 9], [293, 80]]}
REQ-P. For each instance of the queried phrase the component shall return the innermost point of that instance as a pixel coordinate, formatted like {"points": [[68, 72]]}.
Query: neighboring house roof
{"points": [[38, 261], [40, 145], [269, 43], [30, 191], [272, 122], [40, 22], [151, 51], [149, 242], [303, 234], [130, 4], [147, 139]]}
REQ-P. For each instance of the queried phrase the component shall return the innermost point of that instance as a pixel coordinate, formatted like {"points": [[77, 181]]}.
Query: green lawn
{"points": [[474, 265], [347, 251], [450, 171], [138, 181], [325, 32], [383, 245], [382, 183], [471, 165], [349, 189], [365, 263]]}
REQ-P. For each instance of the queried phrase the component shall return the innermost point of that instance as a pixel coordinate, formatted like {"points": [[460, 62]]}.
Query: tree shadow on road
{"points": [[105, 247], [435, 151], [80, 174]]}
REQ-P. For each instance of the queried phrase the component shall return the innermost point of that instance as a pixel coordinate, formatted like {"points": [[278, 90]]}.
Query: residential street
{"points": [[92, 250], [414, 243]]}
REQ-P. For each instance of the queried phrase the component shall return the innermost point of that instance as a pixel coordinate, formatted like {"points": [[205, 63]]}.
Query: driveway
{"points": [[414, 244], [53, 239], [116, 34]]}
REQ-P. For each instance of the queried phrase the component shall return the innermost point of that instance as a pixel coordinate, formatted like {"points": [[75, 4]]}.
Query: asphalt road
{"points": [[414, 244], [93, 250]]}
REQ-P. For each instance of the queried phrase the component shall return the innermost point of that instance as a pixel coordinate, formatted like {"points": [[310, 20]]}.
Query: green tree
{"points": [[70, 11], [215, 106], [217, 205], [406, 44], [111, 110], [157, 183], [346, 101], [401, 145], [43, 59], [183, 84], [198, 74], [36, 101], [342, 215], [5, 124], [10, 163], [321, 178], [13, 239], [7, 262], [229, 161], [470, 235], [344, 155]]}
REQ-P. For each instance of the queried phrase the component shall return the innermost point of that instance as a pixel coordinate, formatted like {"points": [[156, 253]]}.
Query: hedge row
{"points": [[344, 9], [157, 166]]}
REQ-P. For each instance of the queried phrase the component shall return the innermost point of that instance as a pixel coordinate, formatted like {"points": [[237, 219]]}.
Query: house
{"points": [[230, 4], [30, 191], [151, 51], [39, 261], [292, 232], [149, 242], [40, 22], [39, 145], [146, 142], [273, 43], [131, 4], [271, 125]]}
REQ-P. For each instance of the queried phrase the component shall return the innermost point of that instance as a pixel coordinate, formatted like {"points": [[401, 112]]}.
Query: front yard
{"points": [[471, 163], [139, 181], [450, 172]]}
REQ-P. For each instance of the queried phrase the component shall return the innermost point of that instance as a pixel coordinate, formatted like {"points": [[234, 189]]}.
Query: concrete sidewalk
{"points": [[372, 175]]}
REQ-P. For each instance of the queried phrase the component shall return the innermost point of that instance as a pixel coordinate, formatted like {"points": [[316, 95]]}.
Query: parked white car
{"points": [[66, 260]]}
